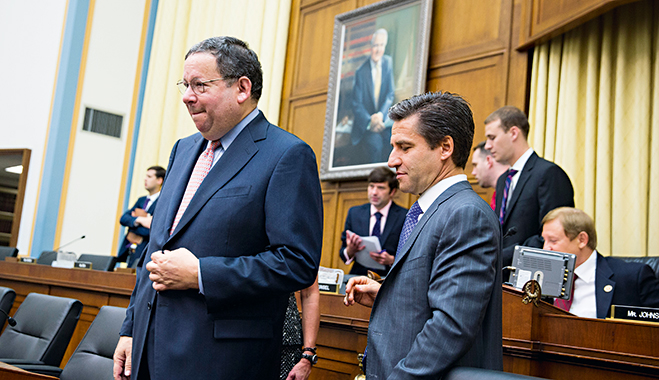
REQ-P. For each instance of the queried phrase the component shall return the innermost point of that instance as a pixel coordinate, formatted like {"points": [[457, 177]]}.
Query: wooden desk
{"points": [[9, 372], [93, 288], [539, 341]]}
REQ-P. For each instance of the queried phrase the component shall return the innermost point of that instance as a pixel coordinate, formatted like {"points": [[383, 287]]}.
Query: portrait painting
{"points": [[379, 57]]}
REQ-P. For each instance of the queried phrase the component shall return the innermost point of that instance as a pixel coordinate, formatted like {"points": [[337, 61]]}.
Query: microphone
{"points": [[73, 241], [10, 320], [512, 231]]}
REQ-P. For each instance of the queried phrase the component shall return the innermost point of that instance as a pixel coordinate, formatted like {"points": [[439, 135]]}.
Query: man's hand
{"points": [[301, 370], [173, 270], [122, 358], [138, 212], [362, 290], [353, 243], [382, 258], [144, 221]]}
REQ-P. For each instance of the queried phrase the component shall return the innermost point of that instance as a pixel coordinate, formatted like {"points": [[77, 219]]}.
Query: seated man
{"points": [[600, 281], [380, 217], [138, 218]]}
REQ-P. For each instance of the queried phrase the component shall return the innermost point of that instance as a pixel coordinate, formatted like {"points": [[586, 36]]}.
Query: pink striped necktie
{"points": [[201, 169]]}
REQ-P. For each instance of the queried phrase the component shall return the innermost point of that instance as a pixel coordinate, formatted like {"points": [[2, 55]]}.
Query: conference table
{"points": [[540, 340]]}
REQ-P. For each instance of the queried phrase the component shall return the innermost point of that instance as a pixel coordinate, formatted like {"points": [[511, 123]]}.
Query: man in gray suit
{"points": [[440, 305]]}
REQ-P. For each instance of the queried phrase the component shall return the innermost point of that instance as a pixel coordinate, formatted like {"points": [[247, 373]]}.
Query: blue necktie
{"points": [[504, 199], [411, 220], [376, 226]]}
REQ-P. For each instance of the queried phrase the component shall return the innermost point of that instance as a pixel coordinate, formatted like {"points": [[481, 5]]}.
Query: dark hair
{"points": [[160, 171], [383, 174], [234, 60], [440, 114], [481, 147], [510, 116]]}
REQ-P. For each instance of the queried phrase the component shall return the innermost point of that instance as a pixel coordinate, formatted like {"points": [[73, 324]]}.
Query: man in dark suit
{"points": [[440, 305], [486, 170], [138, 218], [530, 189], [372, 95], [238, 228], [380, 217], [600, 281]]}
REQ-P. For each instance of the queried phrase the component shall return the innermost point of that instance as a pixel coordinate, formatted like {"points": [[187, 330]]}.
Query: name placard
{"points": [[83, 265], [27, 260], [635, 313], [329, 280]]}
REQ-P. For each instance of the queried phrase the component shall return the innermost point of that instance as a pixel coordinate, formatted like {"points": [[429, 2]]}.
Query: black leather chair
{"points": [[8, 252], [47, 257], [468, 373], [44, 326], [99, 262], [652, 261], [7, 297], [92, 360]]}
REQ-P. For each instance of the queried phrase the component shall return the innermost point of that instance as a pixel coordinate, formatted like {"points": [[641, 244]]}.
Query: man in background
{"points": [[486, 169], [381, 217], [238, 228], [138, 218], [599, 281], [440, 306], [372, 95], [531, 187]]}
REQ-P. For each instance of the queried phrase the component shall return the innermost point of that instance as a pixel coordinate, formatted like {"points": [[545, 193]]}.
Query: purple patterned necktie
{"points": [[411, 220], [504, 200], [566, 304]]}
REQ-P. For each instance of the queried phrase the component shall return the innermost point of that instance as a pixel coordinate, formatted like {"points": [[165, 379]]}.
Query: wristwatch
{"points": [[313, 359]]}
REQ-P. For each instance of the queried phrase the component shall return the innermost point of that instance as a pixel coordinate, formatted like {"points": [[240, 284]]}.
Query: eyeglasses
{"points": [[198, 86]]}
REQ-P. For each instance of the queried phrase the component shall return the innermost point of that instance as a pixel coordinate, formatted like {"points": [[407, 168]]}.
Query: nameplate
{"points": [[83, 265], [328, 288], [27, 260], [635, 313], [329, 280]]}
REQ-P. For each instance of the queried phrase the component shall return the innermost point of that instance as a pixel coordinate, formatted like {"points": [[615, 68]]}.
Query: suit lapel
{"points": [[448, 193], [242, 149], [603, 274], [527, 172]]}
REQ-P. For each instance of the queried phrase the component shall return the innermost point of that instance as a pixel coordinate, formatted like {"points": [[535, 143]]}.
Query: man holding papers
{"points": [[380, 218]]}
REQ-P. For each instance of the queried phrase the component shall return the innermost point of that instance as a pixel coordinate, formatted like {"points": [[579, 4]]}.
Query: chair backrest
{"points": [[469, 373], [99, 262], [7, 297], [47, 257], [92, 360], [8, 252], [652, 261], [44, 326]]}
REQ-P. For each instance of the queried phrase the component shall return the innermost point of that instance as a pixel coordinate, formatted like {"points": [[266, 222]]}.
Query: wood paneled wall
{"points": [[472, 52]]}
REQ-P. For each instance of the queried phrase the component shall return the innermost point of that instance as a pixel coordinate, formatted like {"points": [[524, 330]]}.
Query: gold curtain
{"points": [[594, 111], [179, 25]]}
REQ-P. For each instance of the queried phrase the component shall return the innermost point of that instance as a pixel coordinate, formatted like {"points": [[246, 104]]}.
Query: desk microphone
{"points": [[10, 320], [512, 231], [73, 241]]}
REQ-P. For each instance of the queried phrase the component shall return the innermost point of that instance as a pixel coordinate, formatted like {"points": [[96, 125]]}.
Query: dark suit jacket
{"points": [[634, 284], [542, 187], [358, 222], [127, 220], [255, 223], [363, 98], [440, 305]]}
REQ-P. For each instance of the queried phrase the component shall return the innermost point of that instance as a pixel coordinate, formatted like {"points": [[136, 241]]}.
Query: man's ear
{"points": [[489, 161], [583, 239], [447, 146], [514, 132], [244, 89]]}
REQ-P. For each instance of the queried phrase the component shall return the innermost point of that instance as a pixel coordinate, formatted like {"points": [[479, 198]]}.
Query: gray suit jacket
{"points": [[440, 305]]}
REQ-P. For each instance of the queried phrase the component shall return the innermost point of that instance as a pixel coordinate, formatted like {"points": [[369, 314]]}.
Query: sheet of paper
{"points": [[371, 244]]}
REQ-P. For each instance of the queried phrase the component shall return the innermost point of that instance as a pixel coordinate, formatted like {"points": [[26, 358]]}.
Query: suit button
{"points": [[148, 305]]}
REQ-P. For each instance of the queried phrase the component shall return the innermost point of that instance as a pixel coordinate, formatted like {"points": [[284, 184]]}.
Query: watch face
{"points": [[312, 358]]}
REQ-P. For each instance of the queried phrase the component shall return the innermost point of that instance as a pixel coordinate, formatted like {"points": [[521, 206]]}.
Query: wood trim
{"points": [[543, 20]]}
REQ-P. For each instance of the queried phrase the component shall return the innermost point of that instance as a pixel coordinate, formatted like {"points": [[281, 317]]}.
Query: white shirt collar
{"points": [[586, 271], [428, 197], [384, 210], [152, 198], [519, 164]]}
